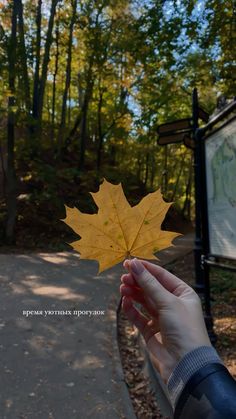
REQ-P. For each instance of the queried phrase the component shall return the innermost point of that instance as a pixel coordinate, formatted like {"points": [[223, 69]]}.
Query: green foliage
{"points": [[223, 281]]}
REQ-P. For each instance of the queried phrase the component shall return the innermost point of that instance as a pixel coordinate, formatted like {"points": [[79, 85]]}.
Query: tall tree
{"points": [[35, 103], [55, 73], [23, 55], [46, 58], [84, 112], [68, 74], [10, 174]]}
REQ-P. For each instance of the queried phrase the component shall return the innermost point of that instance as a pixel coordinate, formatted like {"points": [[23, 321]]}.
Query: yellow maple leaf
{"points": [[117, 230]]}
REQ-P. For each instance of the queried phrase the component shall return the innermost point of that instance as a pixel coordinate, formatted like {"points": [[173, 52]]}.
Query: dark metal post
{"points": [[198, 250], [205, 238]]}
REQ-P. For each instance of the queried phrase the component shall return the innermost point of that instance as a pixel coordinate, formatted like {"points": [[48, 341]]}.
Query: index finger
{"points": [[169, 281]]}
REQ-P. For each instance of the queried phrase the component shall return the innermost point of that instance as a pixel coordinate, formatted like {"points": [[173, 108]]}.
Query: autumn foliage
{"points": [[83, 87]]}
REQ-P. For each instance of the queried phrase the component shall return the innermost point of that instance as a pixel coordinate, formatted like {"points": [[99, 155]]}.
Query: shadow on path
{"points": [[61, 360], [58, 365]]}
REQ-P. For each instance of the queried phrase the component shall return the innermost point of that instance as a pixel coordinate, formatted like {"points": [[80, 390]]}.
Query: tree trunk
{"points": [[82, 116], [61, 131], [69, 108], [83, 132], [139, 164], [178, 178], [54, 80], [146, 168], [153, 168], [74, 129], [45, 63], [100, 134], [87, 98], [186, 211], [3, 169], [23, 56], [10, 175], [165, 173], [37, 63]]}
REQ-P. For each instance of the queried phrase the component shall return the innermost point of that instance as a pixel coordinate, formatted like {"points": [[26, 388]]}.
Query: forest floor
{"points": [[223, 295]]}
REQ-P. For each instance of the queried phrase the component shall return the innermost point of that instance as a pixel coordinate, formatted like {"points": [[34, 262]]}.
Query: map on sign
{"points": [[221, 190]]}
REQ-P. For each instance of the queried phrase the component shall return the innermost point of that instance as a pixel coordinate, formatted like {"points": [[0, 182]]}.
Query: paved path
{"points": [[55, 365], [183, 246]]}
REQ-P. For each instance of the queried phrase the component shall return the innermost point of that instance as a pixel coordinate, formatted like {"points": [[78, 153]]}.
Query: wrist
{"points": [[187, 366]]}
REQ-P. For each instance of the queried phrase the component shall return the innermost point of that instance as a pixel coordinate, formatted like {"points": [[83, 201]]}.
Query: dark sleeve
{"points": [[209, 394]]}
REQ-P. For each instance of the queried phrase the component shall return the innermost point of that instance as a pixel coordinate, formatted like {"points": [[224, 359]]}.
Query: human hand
{"points": [[174, 324]]}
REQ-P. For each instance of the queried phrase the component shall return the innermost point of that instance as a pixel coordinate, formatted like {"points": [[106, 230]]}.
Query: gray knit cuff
{"points": [[187, 366]]}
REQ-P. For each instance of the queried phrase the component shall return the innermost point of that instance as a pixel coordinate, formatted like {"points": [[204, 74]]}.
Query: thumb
{"points": [[148, 283]]}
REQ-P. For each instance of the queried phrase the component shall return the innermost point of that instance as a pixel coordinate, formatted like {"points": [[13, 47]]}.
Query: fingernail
{"points": [[136, 266]]}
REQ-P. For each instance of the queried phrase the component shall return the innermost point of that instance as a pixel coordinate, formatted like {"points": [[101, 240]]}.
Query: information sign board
{"points": [[220, 154]]}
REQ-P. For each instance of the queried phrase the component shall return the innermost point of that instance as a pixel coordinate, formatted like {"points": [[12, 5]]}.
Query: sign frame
{"points": [[214, 255], [195, 138]]}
